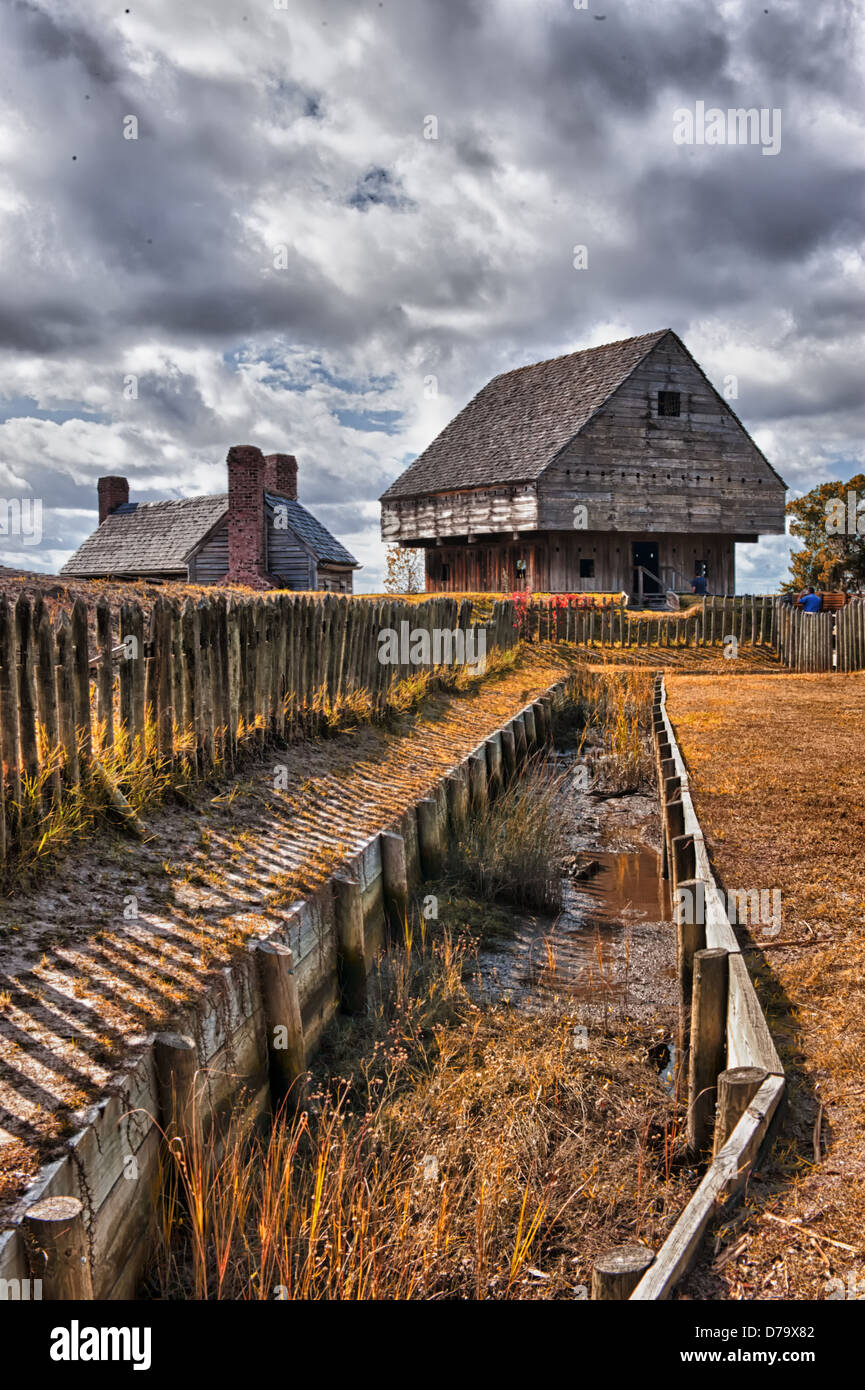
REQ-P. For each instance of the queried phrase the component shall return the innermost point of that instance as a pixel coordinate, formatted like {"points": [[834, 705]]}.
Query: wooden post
{"points": [[531, 728], [58, 1248], [478, 782], [457, 790], [736, 1089], [520, 738], [493, 746], [509, 752], [29, 751], [176, 1058], [617, 1273], [204, 672], [105, 674], [81, 659], [683, 859], [132, 669], [429, 836], [65, 686], [674, 818], [689, 915], [9, 712], [708, 1043], [668, 774], [663, 757], [46, 703], [394, 880], [283, 1022], [351, 943]]}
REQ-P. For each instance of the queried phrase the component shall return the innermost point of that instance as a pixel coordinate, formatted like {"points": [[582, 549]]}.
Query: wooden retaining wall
{"points": [[112, 1162], [189, 683], [726, 1029]]}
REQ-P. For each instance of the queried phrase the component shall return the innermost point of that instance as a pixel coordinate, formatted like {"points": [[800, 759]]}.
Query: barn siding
{"points": [[636, 471], [553, 563]]}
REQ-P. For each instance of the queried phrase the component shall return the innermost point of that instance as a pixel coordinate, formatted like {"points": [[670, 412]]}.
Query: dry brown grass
{"points": [[454, 1151], [779, 782]]}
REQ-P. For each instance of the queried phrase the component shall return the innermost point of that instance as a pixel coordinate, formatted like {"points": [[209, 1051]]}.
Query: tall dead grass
{"points": [[514, 847], [450, 1151], [607, 713]]}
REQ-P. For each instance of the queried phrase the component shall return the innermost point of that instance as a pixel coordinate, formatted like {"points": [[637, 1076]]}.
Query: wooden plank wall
{"points": [[553, 561], [191, 682], [636, 471]]}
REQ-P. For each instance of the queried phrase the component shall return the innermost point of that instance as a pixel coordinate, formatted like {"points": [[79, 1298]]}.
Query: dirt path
{"points": [[778, 778], [118, 938]]}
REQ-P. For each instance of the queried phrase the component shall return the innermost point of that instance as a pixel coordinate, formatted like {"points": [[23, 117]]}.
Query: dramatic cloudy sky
{"points": [[281, 257]]}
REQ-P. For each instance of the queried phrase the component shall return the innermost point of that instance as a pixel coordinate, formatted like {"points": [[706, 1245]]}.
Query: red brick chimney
{"points": [[281, 475], [247, 547], [113, 493]]}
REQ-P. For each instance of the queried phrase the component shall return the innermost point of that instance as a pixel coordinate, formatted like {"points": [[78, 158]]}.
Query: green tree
{"points": [[404, 571], [830, 520]]}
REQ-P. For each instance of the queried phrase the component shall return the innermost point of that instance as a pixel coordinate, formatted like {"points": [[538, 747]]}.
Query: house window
{"points": [[669, 403], [587, 569]]}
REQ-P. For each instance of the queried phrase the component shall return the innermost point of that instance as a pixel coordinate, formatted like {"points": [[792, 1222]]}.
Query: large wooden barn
{"points": [[619, 468]]}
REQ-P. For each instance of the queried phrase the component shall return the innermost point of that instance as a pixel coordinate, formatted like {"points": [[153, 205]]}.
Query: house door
{"points": [[645, 554]]}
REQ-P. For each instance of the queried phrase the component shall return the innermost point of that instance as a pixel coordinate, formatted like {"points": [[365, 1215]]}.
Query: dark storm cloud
{"points": [[45, 37]]}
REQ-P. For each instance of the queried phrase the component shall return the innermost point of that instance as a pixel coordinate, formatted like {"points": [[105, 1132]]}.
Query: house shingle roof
{"points": [[323, 545], [147, 537], [159, 537], [520, 420]]}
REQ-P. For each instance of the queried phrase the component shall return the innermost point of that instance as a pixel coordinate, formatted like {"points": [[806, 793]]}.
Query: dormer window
{"points": [[669, 403]]}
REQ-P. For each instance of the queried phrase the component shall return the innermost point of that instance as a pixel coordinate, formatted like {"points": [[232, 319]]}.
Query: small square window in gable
{"points": [[669, 403]]}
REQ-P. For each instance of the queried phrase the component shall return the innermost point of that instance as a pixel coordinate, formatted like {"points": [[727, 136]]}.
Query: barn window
{"points": [[446, 572], [669, 403], [587, 569]]}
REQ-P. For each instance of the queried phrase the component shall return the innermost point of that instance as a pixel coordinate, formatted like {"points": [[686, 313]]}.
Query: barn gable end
{"points": [[636, 470]]}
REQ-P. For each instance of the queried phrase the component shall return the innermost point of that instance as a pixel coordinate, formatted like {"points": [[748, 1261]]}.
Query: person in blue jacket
{"points": [[810, 602]]}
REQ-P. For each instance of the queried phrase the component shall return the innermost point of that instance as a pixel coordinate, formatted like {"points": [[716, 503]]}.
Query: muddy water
{"points": [[611, 948]]}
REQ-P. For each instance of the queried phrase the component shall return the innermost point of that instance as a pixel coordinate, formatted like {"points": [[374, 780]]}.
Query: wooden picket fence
{"points": [[188, 681], [823, 641], [850, 635], [711, 621], [831, 641]]}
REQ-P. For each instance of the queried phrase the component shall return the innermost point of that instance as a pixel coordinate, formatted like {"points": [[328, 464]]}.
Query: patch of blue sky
{"points": [[25, 407], [378, 421]]}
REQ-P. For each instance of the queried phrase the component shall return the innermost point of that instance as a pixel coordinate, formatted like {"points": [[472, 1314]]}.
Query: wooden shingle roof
{"points": [[148, 537], [512, 428], [323, 545]]}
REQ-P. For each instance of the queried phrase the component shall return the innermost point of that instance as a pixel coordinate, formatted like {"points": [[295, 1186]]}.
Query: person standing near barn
{"points": [[810, 602]]}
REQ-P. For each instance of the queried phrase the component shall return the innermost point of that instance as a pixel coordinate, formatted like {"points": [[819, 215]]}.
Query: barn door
{"points": [[645, 554]]}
